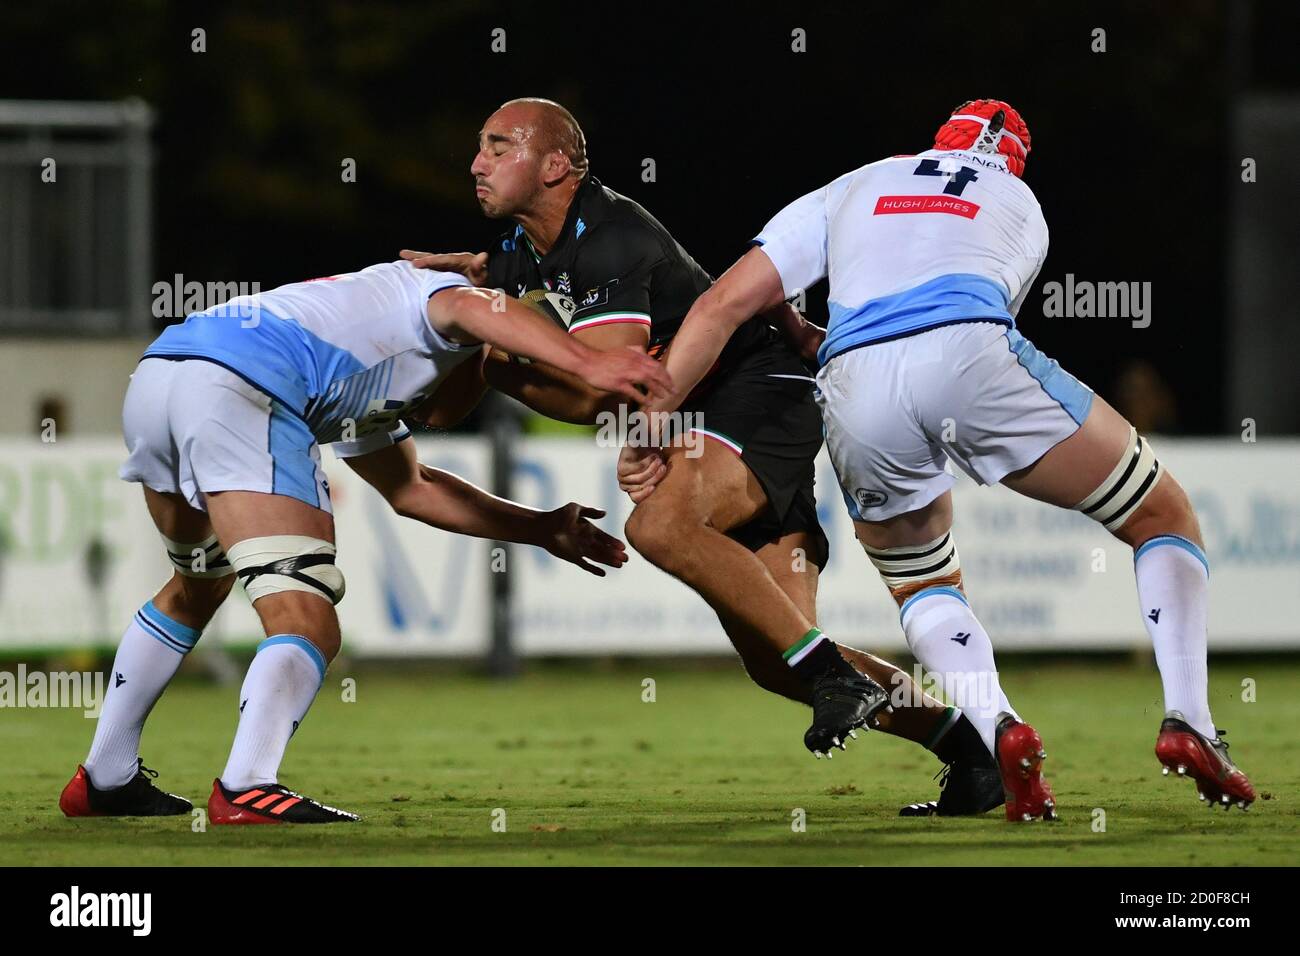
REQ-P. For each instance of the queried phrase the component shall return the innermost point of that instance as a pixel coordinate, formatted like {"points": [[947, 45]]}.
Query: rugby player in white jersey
{"points": [[929, 259], [223, 420]]}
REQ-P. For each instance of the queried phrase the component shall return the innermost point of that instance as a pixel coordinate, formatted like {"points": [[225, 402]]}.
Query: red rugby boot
{"points": [[269, 803], [1020, 756], [137, 798], [1188, 753]]}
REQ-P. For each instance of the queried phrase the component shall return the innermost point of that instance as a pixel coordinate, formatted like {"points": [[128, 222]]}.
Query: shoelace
{"points": [[141, 768], [942, 776]]}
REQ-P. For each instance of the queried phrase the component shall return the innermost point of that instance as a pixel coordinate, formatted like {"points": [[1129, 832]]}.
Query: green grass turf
{"points": [[707, 774]]}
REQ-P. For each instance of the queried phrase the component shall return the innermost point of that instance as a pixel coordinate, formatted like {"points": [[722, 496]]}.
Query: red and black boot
{"points": [[1020, 756], [269, 803], [1189, 753], [137, 798]]}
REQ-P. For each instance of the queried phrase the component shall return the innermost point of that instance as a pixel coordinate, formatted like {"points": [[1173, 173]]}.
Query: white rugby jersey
{"points": [[911, 243], [346, 353]]}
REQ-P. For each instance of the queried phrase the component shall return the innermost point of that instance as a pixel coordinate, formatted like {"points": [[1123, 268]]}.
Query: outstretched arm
{"points": [[465, 314], [443, 500]]}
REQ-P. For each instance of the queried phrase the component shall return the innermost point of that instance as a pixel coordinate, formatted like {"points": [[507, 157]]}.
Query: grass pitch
{"points": [[711, 772]]}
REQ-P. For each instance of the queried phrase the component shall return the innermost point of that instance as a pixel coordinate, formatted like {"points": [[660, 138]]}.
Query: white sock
{"points": [[148, 657], [952, 646], [1173, 584], [281, 683]]}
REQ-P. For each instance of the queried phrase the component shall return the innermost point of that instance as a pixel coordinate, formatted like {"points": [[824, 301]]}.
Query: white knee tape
{"points": [[1119, 495], [912, 564], [200, 559], [288, 562]]}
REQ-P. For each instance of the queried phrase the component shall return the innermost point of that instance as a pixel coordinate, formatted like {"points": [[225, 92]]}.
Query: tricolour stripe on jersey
{"points": [[719, 437], [611, 318]]}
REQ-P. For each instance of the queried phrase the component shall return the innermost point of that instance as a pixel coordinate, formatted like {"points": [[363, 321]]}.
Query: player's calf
{"points": [[294, 584], [1142, 505], [942, 631], [160, 635]]}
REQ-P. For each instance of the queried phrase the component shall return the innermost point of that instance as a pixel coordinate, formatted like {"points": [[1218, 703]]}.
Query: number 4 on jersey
{"points": [[958, 181]]}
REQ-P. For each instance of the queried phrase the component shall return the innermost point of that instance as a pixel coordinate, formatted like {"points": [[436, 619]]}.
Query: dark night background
{"points": [[1132, 159]]}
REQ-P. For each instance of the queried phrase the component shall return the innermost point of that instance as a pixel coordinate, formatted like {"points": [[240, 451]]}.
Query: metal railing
{"points": [[75, 217]]}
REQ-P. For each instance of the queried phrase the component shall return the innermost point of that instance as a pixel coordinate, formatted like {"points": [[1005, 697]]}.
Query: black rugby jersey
{"points": [[613, 262]]}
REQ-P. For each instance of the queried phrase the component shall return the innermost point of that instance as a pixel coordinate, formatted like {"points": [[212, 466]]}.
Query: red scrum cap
{"points": [[987, 126]]}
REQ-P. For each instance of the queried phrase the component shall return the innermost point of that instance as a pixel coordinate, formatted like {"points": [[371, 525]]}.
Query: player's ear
{"points": [[555, 167]]}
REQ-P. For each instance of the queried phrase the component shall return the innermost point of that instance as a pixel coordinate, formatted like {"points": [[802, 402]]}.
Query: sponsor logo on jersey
{"points": [[598, 296], [870, 499], [558, 308], [999, 164], [895, 205]]}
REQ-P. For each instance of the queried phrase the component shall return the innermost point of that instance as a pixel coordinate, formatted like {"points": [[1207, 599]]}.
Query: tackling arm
{"points": [[749, 287], [557, 394], [463, 313], [443, 500]]}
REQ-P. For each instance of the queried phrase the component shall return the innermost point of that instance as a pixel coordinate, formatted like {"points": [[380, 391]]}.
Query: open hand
{"points": [[575, 539]]}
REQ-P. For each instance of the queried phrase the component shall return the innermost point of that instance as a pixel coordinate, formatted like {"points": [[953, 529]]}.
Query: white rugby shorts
{"points": [[195, 427], [976, 393]]}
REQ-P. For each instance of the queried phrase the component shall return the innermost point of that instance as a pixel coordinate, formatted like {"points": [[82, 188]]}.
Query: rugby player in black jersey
{"points": [[732, 518]]}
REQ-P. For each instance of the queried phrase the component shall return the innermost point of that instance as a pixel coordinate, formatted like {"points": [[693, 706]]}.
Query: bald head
{"points": [[553, 127]]}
